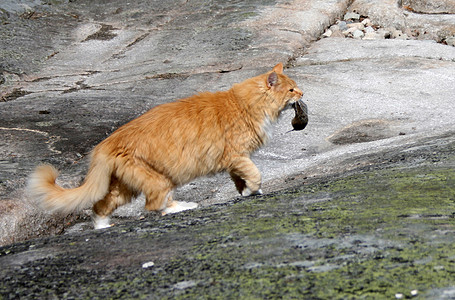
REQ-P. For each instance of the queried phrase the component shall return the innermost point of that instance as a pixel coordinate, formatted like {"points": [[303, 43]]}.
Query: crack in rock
{"points": [[51, 139], [104, 33]]}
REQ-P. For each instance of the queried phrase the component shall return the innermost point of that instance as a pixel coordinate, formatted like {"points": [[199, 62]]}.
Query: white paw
{"points": [[247, 192], [101, 222], [178, 206]]}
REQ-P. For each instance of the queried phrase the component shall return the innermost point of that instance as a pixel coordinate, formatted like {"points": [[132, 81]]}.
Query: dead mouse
{"points": [[301, 115]]}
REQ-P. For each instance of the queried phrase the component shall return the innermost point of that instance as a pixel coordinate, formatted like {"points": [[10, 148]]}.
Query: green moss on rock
{"points": [[370, 235]]}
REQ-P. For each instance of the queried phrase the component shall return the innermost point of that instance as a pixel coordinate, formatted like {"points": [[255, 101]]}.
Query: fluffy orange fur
{"points": [[174, 143]]}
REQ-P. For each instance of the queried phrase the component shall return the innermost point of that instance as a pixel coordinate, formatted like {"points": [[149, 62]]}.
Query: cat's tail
{"points": [[42, 186]]}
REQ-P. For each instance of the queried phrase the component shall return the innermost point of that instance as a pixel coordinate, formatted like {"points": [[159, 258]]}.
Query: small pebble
{"points": [[148, 265], [353, 26], [358, 34], [334, 28], [358, 26], [327, 33], [414, 292], [338, 34], [399, 295], [185, 284], [349, 31], [342, 25], [367, 22], [369, 29], [450, 41], [351, 16]]}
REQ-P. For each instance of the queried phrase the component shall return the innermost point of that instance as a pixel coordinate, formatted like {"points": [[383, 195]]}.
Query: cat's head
{"points": [[281, 89], [268, 94]]}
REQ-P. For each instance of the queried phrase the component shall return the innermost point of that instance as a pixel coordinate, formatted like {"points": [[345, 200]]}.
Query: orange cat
{"points": [[172, 144]]}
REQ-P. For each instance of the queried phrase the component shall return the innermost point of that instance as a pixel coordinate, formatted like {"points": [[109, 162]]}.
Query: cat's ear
{"points": [[272, 79], [278, 68]]}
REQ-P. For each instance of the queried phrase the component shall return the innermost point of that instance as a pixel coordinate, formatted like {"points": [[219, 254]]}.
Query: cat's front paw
{"points": [[247, 192]]}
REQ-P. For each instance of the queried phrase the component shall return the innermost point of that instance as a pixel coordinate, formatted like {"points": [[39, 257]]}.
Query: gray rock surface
{"points": [[97, 66], [113, 63], [337, 237], [430, 7], [361, 197]]}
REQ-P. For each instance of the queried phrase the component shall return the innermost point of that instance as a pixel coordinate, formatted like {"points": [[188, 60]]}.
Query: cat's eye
{"points": [[291, 90]]}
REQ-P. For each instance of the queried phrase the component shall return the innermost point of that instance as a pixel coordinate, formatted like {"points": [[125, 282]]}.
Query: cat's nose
{"points": [[299, 92]]}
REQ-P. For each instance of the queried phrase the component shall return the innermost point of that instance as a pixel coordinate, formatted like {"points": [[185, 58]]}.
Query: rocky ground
{"points": [[382, 231], [359, 204]]}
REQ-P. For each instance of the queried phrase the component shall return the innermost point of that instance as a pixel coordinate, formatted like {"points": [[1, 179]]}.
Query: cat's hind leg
{"points": [[246, 176], [155, 186], [157, 189], [119, 194]]}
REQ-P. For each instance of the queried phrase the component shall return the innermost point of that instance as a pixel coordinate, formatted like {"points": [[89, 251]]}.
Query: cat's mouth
{"points": [[291, 104], [296, 103]]}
